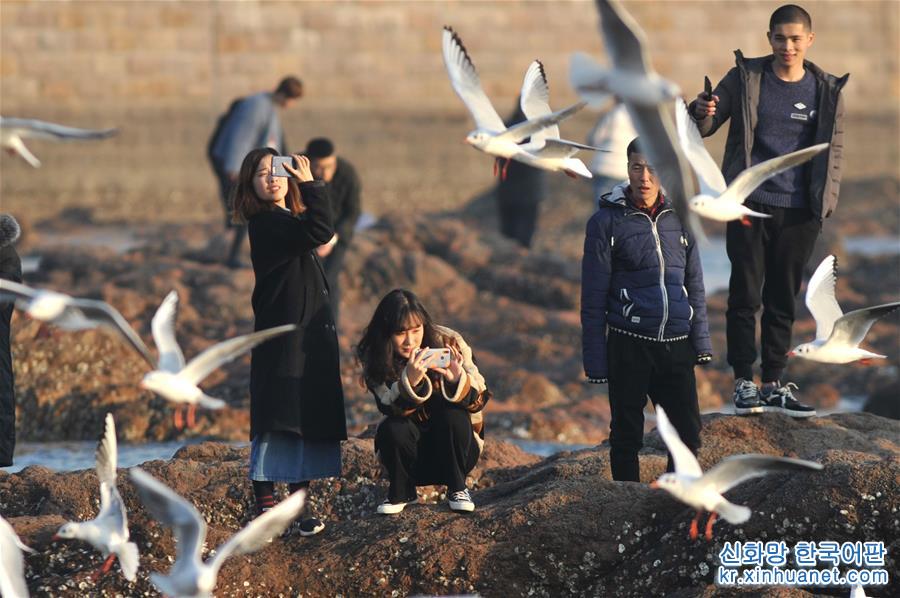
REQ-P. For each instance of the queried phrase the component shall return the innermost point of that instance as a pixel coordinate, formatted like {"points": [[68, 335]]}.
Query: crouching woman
{"points": [[434, 431]]}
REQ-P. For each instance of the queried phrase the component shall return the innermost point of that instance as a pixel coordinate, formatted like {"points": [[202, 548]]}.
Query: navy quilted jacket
{"points": [[640, 277]]}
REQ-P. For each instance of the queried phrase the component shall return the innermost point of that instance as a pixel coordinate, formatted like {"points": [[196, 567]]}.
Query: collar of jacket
{"points": [[616, 197], [757, 64]]}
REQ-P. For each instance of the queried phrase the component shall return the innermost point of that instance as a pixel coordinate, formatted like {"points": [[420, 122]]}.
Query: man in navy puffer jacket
{"points": [[641, 281]]}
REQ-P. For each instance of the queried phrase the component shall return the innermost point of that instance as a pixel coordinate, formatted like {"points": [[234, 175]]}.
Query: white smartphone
{"points": [[278, 163], [441, 361]]}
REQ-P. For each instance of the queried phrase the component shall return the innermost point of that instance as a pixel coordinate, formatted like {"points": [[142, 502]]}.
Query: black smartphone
{"points": [[707, 87], [278, 163]]}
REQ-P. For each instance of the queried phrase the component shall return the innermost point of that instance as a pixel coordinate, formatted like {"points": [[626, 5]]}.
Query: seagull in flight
{"points": [[546, 146], [647, 97], [704, 491], [12, 563], [71, 313], [837, 334], [177, 381], [190, 576], [491, 135], [14, 130], [108, 532], [716, 200]]}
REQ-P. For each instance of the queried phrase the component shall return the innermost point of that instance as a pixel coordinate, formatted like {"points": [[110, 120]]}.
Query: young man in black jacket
{"points": [[777, 104]]}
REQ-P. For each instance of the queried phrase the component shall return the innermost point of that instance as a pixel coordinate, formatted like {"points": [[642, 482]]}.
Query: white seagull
{"points": [[190, 576], [13, 130], [857, 591], [646, 96], [837, 334], [108, 532], [546, 146], [492, 136], [717, 200], [12, 563], [71, 313], [704, 491], [176, 381]]}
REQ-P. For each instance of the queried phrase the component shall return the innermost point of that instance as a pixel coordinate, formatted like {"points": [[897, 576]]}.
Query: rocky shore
{"points": [[552, 527]]}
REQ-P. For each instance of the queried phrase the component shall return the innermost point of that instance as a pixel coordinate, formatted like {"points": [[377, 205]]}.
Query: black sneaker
{"points": [[780, 399], [746, 397], [304, 527]]}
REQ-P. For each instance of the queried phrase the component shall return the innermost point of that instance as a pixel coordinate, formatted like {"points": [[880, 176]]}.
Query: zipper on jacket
{"points": [[662, 271]]}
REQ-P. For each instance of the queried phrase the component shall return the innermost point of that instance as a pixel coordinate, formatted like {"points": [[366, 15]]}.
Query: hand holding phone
{"points": [[278, 165], [294, 166], [436, 358]]}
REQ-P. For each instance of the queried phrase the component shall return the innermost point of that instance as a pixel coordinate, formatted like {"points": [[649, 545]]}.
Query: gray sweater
{"points": [[254, 123]]}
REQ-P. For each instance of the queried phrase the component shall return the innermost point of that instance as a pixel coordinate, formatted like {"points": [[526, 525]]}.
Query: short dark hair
{"points": [[633, 148], [790, 13], [320, 147], [290, 87]]}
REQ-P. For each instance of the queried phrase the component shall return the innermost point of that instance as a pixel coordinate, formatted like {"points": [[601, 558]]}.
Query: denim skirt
{"points": [[287, 457]]}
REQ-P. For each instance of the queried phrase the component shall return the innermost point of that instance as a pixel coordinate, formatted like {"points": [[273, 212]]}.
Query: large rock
{"points": [[558, 527]]}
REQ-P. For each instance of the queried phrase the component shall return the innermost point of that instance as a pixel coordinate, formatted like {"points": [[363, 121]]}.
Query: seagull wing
{"points": [[734, 470], [259, 531], [171, 359], [107, 454], [467, 85], [709, 176], [660, 142], [852, 327], [213, 357], [534, 99], [172, 510], [753, 177], [623, 38], [104, 314], [820, 299], [553, 148], [12, 565], [13, 291], [685, 461], [39, 129], [15, 143], [520, 131]]}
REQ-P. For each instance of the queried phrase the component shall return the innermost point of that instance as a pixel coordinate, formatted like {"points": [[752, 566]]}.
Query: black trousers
{"points": [[240, 230], [441, 451], [333, 264], [767, 261], [7, 390], [640, 368], [518, 220]]}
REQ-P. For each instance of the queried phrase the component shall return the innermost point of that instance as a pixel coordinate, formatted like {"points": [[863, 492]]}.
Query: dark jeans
{"points": [[440, 451], [333, 264], [518, 219], [240, 230], [640, 368], [767, 261], [7, 390]]}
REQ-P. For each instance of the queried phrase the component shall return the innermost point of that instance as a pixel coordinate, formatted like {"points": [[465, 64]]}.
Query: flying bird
{"points": [[14, 130], [108, 532], [12, 563], [716, 200], [71, 313], [491, 135], [176, 381], [546, 146], [702, 491], [647, 97], [837, 334], [190, 576]]}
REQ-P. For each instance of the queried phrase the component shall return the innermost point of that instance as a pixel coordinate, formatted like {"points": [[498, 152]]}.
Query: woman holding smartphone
{"points": [[296, 399], [434, 431]]}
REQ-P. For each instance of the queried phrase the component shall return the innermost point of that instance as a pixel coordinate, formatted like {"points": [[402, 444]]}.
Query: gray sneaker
{"points": [[780, 399], [746, 397]]}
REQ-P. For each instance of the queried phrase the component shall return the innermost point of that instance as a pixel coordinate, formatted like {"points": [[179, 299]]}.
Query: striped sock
{"points": [[264, 494]]}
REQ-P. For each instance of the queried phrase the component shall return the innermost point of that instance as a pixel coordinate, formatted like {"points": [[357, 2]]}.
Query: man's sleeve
{"points": [[596, 272], [243, 132], [693, 282], [728, 91], [350, 208], [837, 155]]}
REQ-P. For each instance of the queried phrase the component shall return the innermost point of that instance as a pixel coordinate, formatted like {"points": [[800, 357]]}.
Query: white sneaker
{"points": [[391, 508], [461, 501]]}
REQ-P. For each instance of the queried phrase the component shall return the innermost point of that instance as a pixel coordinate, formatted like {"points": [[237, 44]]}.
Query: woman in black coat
{"points": [[296, 399]]}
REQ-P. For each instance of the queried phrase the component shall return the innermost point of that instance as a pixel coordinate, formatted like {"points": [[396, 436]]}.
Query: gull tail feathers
{"points": [[758, 214], [128, 560], [732, 513], [586, 77], [576, 166], [209, 402]]}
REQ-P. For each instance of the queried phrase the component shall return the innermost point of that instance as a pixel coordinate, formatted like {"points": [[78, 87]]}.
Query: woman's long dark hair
{"points": [[398, 310], [244, 201]]}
